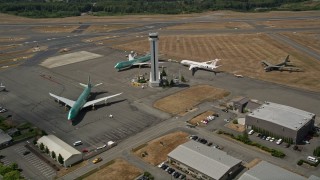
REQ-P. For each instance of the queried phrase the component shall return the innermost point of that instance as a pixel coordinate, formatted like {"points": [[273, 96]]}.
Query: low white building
{"points": [[267, 171], [204, 162], [69, 153]]}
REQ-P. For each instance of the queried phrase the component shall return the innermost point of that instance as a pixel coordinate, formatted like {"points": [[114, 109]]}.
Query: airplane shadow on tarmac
{"points": [[84, 111]]}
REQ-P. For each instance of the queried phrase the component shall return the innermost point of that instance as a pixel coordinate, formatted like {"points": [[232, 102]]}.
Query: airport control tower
{"points": [[154, 74]]}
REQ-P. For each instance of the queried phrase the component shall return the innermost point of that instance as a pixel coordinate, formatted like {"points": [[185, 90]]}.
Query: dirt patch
{"points": [[186, 99], [119, 170], [157, 150], [245, 50], [197, 120], [252, 163], [211, 26], [55, 29], [236, 127]]}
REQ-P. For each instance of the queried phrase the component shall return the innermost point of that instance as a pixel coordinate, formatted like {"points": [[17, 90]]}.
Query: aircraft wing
{"points": [[266, 63], [140, 64], [65, 100], [192, 67], [89, 103]]}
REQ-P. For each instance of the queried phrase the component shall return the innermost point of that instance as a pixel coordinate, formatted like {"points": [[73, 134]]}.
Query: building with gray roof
{"points": [[204, 162], [266, 171], [5, 139], [281, 121], [54, 144]]}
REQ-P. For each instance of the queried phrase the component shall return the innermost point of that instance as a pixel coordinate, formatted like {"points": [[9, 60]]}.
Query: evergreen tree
{"points": [[53, 155], [60, 159], [41, 146]]}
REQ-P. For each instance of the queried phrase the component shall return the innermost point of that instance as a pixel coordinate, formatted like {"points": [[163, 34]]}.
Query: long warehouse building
{"points": [[281, 121]]}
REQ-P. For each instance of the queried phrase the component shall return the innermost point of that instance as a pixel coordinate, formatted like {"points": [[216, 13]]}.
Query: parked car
{"points": [[272, 139], [77, 143], [279, 141], [226, 120], [258, 134], [161, 164], [251, 132], [209, 144], [96, 160], [3, 110], [203, 141], [176, 174], [306, 142], [170, 170], [183, 176], [218, 147], [193, 137], [268, 138], [312, 159], [164, 167], [85, 150]]}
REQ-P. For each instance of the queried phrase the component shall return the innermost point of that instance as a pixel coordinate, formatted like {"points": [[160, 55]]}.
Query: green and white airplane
{"points": [[81, 102], [133, 61]]}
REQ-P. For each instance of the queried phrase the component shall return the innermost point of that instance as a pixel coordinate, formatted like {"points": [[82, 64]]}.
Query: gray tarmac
{"points": [[134, 120]]}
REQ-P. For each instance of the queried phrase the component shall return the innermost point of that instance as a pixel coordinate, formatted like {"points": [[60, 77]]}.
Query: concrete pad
{"points": [[242, 121], [70, 58]]}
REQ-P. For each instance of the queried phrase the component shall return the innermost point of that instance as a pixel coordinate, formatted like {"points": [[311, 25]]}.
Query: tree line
{"points": [[64, 8]]}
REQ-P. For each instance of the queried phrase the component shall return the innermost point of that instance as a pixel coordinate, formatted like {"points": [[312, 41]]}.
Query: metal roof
{"points": [[207, 160], [58, 146], [267, 171], [4, 138], [282, 115]]}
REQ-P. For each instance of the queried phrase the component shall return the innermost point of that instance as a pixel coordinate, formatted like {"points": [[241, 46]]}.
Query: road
{"points": [[135, 120]]}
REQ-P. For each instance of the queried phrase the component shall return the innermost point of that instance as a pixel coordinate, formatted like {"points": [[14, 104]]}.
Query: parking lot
{"points": [[32, 166]]}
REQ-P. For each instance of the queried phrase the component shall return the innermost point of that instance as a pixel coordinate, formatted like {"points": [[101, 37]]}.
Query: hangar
{"points": [[265, 171], [204, 162], [54, 144], [281, 121]]}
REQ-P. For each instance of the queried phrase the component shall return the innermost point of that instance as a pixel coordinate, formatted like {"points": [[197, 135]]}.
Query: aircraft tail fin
{"points": [[287, 59], [214, 62], [85, 85], [131, 56]]}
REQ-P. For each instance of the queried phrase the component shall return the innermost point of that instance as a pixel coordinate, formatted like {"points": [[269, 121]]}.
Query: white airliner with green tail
{"points": [[82, 102]]}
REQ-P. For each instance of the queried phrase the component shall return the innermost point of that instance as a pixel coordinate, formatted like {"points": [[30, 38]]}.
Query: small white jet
{"points": [[238, 75], [208, 65], [2, 87]]}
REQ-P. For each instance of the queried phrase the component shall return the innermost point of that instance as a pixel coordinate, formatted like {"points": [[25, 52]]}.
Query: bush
{"points": [[235, 121], [300, 162]]}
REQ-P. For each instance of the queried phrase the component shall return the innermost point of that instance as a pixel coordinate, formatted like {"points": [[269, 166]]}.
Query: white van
{"points": [[279, 141], [77, 143], [312, 159], [251, 132]]}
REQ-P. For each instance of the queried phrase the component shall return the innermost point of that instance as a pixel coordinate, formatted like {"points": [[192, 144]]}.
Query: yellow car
{"points": [[96, 160]]}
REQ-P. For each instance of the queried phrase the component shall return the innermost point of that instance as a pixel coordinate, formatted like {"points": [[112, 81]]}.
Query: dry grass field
{"points": [[188, 98], [310, 23], [235, 127], [197, 120], [119, 170], [211, 26], [308, 39], [158, 149], [241, 54], [12, 39]]}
